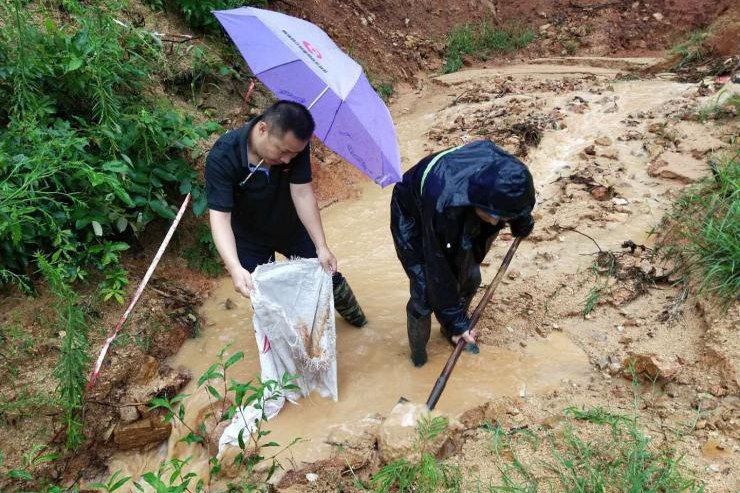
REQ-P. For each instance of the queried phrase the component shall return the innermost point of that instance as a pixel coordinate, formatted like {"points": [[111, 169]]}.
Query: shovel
{"points": [[447, 371]]}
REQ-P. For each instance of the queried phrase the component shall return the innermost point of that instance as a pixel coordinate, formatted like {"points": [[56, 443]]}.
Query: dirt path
{"points": [[611, 159], [589, 140]]}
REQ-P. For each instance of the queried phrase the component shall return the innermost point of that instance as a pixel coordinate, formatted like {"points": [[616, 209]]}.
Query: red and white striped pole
{"points": [[104, 350]]}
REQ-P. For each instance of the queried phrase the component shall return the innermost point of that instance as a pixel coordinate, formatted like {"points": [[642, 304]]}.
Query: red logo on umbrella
{"points": [[312, 49]]}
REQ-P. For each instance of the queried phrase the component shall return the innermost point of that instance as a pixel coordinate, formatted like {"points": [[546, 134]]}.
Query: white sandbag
{"points": [[294, 325]]}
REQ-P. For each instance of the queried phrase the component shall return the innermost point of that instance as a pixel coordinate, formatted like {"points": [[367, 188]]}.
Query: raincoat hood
{"points": [[479, 174]]}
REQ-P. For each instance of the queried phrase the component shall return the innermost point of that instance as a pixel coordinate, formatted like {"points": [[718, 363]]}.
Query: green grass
{"points": [[603, 268], [705, 227], [722, 106], [592, 299], [384, 89], [483, 40], [584, 458], [427, 475], [571, 46], [692, 49]]}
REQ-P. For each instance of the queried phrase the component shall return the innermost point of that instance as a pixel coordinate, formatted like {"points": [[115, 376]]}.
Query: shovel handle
{"points": [[439, 386]]}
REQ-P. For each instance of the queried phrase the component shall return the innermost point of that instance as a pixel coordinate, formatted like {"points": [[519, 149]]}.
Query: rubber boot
{"points": [[419, 329], [345, 302]]}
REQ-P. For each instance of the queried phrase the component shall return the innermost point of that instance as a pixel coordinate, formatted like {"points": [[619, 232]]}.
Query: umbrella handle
{"points": [[439, 386]]}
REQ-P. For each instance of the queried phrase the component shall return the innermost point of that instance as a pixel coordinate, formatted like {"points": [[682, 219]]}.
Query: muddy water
{"points": [[373, 364]]}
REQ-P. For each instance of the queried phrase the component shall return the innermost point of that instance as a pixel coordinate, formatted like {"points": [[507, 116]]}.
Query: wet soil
{"points": [[599, 195]]}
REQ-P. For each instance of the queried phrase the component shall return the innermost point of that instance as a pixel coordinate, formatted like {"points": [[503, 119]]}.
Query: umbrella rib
{"points": [[334, 119], [277, 66], [318, 97]]}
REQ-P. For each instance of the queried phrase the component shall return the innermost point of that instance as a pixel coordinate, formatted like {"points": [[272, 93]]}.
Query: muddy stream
{"points": [[373, 363]]}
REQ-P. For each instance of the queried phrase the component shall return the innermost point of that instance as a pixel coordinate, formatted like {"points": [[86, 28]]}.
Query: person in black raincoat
{"points": [[445, 214]]}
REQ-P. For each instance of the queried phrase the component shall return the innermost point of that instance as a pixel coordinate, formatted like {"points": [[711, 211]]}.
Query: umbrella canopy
{"points": [[299, 62]]}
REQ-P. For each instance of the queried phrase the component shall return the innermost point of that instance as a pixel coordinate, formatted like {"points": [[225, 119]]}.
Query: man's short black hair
{"points": [[288, 115]]}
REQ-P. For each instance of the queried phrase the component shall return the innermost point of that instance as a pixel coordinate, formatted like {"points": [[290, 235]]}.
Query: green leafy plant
{"points": [[171, 477], [228, 397], [113, 287], [384, 89], [114, 483], [175, 407], [70, 370], [198, 13], [30, 461], [85, 153], [253, 446]]}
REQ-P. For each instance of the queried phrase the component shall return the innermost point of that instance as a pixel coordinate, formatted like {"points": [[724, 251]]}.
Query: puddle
{"points": [[713, 450]]}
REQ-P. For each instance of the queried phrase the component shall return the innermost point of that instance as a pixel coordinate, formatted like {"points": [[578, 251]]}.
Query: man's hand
{"points": [[468, 335], [522, 227], [242, 281], [327, 259]]}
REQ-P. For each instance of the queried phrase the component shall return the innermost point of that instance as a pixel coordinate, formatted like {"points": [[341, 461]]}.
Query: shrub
{"points": [[85, 153]]}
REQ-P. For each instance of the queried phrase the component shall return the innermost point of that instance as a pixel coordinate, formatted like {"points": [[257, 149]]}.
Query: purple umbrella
{"points": [[299, 62]]}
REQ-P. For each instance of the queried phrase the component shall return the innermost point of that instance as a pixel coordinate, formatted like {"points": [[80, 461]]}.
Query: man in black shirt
{"points": [[260, 200]]}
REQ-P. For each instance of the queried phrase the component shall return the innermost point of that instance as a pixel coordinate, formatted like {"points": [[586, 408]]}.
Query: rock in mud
{"points": [[147, 371], [603, 141], [355, 442], [148, 431], [620, 201], [613, 108], [167, 384], [654, 150], [209, 419], [630, 135], [679, 167], [651, 366], [656, 127], [610, 154], [214, 436], [497, 412], [601, 193], [700, 145], [398, 436], [128, 414]]}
